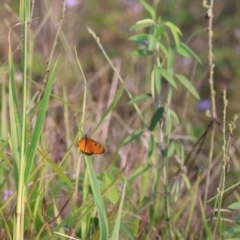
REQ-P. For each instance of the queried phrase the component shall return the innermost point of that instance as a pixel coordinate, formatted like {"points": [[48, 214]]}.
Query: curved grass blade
{"points": [[15, 117], [39, 123], [134, 135], [98, 200], [115, 234], [140, 98]]}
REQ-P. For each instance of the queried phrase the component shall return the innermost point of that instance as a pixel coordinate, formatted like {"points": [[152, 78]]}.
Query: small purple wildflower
{"points": [[72, 3], [7, 194], [204, 104]]}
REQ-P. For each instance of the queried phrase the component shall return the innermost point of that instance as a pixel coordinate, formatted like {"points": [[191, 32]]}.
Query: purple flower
{"points": [[7, 194], [72, 3], [204, 104]]}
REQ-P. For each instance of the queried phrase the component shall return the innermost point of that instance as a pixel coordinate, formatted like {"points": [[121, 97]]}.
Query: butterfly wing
{"points": [[89, 146]]}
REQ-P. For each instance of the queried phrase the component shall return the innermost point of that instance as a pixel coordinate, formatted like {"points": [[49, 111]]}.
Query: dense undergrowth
{"points": [[157, 100]]}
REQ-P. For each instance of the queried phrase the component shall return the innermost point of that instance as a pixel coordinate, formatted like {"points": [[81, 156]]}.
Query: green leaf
{"points": [[112, 195], [206, 224], [141, 52], [116, 229], [153, 41], [159, 31], [140, 171], [156, 118], [143, 23], [39, 123], [188, 85], [59, 171], [140, 98], [170, 59], [237, 219], [150, 146], [151, 10], [175, 31], [186, 181], [167, 76], [134, 135], [235, 205], [185, 51], [141, 39], [138, 37], [157, 76], [232, 230], [174, 115], [171, 149], [163, 48], [25, 10], [103, 222], [15, 118]]}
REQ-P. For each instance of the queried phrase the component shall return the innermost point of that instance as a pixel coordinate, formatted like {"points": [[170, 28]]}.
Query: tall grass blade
{"points": [[115, 234], [15, 118], [39, 123], [98, 200]]}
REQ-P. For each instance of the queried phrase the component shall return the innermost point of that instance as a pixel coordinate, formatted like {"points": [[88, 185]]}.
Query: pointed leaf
{"points": [[157, 76], [39, 123], [151, 10], [175, 32], [141, 53], [159, 31], [156, 118], [163, 48], [150, 146], [140, 98], [103, 222], [134, 135], [116, 229], [185, 51], [188, 85], [168, 76], [153, 41], [143, 23], [235, 205], [141, 39]]}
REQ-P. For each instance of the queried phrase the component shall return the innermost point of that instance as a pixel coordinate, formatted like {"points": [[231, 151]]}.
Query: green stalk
{"points": [[166, 167], [24, 15], [221, 186], [21, 187]]}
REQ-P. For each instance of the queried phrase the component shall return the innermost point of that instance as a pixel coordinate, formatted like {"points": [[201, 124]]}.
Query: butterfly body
{"points": [[89, 146]]}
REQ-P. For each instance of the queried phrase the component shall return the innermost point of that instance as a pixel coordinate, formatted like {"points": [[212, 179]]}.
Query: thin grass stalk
{"points": [[118, 75], [4, 125], [85, 218], [116, 230], [212, 92], [166, 167], [66, 120], [191, 207], [81, 124], [221, 186], [38, 204], [59, 27]]}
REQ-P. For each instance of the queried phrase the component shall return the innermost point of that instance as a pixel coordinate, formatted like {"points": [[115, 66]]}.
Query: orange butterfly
{"points": [[89, 147]]}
